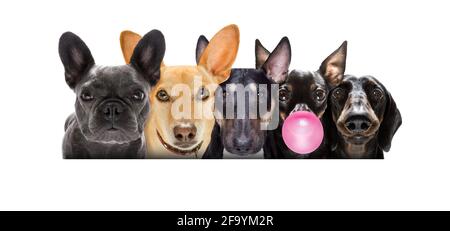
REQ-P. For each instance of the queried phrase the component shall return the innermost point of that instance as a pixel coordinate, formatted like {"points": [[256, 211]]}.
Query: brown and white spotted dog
{"points": [[366, 118]]}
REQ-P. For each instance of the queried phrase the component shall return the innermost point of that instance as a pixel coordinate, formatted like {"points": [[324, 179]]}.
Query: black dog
{"points": [[244, 135], [111, 102], [365, 117], [305, 91]]}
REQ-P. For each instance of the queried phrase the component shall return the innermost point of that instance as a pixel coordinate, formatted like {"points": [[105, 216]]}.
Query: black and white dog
{"points": [[242, 135], [111, 101], [365, 118]]}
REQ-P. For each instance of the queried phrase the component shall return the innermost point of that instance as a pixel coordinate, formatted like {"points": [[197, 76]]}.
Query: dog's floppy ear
{"points": [[277, 65], [75, 56], [148, 55], [392, 119], [202, 43], [261, 54], [221, 52], [128, 41], [333, 67]]}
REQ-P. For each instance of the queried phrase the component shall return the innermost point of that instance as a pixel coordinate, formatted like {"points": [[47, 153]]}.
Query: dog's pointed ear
{"points": [[128, 41], [333, 67], [148, 55], [277, 64], [261, 54], [392, 120], [202, 43], [219, 55], [75, 56]]}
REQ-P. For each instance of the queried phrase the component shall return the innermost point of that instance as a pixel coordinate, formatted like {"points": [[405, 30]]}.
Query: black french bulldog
{"points": [[305, 91], [111, 101], [243, 135], [365, 118]]}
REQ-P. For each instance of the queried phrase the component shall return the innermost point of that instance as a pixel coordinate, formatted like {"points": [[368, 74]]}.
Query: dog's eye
{"points": [[203, 93], [338, 93], [284, 95], [86, 96], [377, 93], [162, 95], [260, 93], [319, 95], [225, 94], [138, 95]]}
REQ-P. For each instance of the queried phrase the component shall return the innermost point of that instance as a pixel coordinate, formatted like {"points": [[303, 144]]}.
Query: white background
{"points": [[405, 44]]}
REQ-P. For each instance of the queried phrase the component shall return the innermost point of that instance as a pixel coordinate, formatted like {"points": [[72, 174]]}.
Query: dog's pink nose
{"points": [[185, 133]]}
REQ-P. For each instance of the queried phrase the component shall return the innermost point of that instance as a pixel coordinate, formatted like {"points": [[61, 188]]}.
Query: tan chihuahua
{"points": [[181, 118]]}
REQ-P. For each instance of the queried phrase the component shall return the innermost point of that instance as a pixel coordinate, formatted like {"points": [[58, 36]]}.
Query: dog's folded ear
{"points": [[333, 67], [392, 120], [75, 56], [148, 55], [128, 41], [277, 64], [219, 55], [261, 54], [202, 43]]}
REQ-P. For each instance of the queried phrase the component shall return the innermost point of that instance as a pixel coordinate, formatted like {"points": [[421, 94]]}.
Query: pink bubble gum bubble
{"points": [[302, 132]]}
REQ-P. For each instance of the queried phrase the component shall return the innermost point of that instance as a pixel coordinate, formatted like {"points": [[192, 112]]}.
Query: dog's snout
{"points": [[242, 144], [112, 111], [301, 107], [185, 133], [358, 123]]}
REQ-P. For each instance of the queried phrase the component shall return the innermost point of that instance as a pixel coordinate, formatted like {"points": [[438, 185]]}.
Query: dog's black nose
{"points": [[300, 107], [112, 111], [241, 144], [185, 133], [358, 124]]}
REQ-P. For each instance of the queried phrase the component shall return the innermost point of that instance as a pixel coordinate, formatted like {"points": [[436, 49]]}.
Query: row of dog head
{"points": [[205, 110]]}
